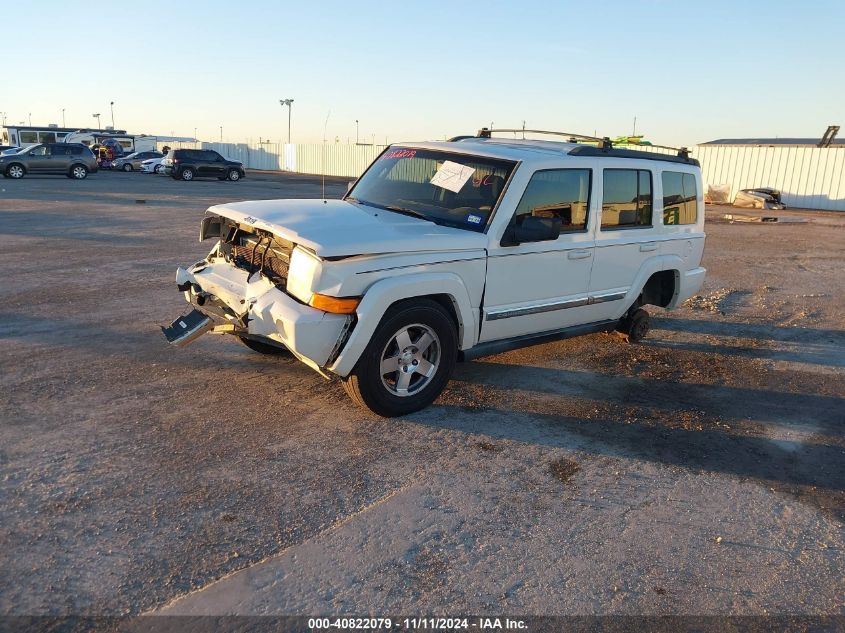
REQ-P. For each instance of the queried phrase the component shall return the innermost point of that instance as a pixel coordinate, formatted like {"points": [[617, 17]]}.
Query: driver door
{"points": [[39, 160], [542, 286]]}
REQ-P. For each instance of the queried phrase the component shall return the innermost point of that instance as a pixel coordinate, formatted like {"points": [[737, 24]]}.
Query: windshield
{"points": [[450, 189]]}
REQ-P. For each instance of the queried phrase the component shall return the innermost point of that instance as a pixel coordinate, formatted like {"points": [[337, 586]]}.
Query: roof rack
{"points": [[604, 143]]}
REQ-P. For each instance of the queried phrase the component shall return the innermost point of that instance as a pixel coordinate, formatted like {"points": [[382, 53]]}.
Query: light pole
{"points": [[30, 119], [63, 117], [97, 116], [283, 103], [221, 133], [111, 105], [356, 131]]}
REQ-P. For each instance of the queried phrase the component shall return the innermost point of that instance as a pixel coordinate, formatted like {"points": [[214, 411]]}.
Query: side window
{"points": [[46, 137], [41, 150], [680, 198], [28, 137], [626, 199], [76, 150], [212, 156], [557, 193], [60, 150]]}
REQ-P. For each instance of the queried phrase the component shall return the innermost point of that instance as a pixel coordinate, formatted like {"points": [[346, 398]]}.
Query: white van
{"points": [[447, 251]]}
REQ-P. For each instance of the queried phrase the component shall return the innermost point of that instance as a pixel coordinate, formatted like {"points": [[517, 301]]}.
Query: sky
{"points": [[688, 71]]}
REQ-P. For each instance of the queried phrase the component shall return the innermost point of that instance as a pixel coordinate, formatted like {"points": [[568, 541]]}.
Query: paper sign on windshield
{"points": [[452, 176]]}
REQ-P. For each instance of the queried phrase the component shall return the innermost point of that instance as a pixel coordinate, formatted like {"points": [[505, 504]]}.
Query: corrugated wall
{"points": [[807, 177], [336, 160]]}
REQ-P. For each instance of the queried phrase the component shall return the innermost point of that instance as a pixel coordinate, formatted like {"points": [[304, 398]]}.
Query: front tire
{"points": [[127, 167], [234, 175], [15, 171], [408, 361], [263, 348], [187, 174], [158, 169]]}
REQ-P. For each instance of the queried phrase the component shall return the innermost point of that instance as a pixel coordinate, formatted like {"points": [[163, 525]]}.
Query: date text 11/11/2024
{"points": [[414, 624]]}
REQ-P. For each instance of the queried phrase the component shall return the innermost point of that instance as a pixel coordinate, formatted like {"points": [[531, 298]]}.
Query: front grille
{"points": [[269, 257]]}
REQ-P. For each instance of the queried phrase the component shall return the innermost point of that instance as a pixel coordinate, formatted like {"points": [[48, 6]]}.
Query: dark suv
{"points": [[73, 160], [187, 164]]}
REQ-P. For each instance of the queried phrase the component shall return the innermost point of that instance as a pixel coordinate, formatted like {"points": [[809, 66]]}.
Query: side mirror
{"points": [[532, 229]]}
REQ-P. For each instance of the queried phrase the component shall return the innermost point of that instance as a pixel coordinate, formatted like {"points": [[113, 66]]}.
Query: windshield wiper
{"points": [[404, 211]]}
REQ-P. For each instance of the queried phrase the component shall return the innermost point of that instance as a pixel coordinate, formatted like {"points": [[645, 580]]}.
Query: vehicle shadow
{"points": [[802, 410], [822, 355], [811, 473], [748, 330]]}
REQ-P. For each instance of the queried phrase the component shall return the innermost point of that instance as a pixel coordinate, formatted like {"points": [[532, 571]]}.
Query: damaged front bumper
{"points": [[237, 302]]}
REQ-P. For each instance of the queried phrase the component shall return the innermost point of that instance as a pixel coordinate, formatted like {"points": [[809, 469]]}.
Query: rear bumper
{"points": [[690, 283], [254, 305]]}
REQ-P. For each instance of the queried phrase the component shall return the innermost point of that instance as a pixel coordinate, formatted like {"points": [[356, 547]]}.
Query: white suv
{"points": [[447, 251]]}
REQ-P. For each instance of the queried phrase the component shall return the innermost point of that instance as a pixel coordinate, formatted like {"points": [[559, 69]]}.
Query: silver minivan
{"points": [[73, 160]]}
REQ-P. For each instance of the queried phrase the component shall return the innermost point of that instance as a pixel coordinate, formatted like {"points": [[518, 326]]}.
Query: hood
{"points": [[336, 228]]}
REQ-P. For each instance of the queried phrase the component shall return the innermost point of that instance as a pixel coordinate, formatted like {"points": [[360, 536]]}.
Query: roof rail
{"points": [[604, 143]]}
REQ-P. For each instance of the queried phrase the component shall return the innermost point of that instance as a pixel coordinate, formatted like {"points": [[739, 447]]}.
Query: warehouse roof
{"points": [[805, 142]]}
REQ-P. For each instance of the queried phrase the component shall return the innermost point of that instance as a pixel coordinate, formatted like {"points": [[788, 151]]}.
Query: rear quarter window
{"points": [[680, 198]]}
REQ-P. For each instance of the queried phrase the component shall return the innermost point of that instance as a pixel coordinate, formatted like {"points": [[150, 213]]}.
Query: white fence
{"points": [[808, 177]]}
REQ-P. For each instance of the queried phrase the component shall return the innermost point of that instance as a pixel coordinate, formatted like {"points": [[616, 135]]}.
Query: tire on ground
{"points": [[366, 386]]}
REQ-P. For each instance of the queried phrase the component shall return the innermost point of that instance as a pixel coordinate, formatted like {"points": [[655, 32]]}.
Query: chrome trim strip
{"points": [[495, 315], [609, 296]]}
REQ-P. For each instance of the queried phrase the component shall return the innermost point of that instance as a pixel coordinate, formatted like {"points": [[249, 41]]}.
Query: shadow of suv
{"points": [[187, 164], [73, 160]]}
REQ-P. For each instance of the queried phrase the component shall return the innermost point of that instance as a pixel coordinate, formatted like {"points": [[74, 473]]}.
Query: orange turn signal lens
{"points": [[336, 305]]}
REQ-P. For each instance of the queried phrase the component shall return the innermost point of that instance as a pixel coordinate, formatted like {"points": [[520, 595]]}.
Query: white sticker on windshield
{"points": [[452, 176]]}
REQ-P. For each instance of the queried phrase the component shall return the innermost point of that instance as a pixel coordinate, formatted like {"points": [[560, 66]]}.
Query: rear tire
{"points": [[636, 326], [419, 339], [78, 172], [187, 174], [264, 348]]}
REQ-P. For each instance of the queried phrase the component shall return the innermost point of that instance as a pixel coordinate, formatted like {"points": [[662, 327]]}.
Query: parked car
{"points": [[187, 164], [74, 160], [152, 166], [134, 160], [448, 251]]}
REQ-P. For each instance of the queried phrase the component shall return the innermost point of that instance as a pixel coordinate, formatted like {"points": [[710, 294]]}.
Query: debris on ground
{"points": [[759, 198], [711, 302], [563, 469]]}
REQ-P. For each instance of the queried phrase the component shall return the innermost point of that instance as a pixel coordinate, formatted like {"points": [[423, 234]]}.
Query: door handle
{"points": [[578, 254], [644, 248]]}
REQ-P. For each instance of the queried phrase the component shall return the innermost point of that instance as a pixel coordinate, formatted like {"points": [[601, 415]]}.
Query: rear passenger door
{"points": [[62, 155], [626, 238]]}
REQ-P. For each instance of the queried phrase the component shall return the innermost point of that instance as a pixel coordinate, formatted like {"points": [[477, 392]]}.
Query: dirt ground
{"points": [[700, 472]]}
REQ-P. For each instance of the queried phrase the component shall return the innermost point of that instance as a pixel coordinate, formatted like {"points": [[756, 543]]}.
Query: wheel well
{"points": [[660, 288], [446, 302]]}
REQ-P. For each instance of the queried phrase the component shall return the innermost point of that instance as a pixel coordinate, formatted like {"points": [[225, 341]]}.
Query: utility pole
{"points": [[63, 117], [635, 127], [221, 133], [111, 105], [288, 103], [30, 119], [356, 131]]}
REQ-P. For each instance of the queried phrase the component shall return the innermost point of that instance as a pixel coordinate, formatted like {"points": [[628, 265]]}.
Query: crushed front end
{"points": [[241, 288]]}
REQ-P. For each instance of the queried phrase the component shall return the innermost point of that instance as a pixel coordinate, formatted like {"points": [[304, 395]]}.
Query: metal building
{"points": [[809, 172]]}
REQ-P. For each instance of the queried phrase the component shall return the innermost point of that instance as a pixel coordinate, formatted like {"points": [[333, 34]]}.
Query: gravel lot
{"points": [[700, 472]]}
